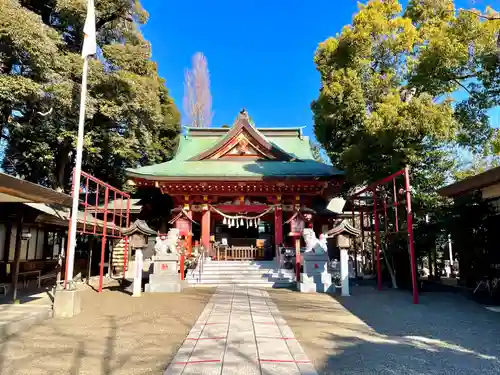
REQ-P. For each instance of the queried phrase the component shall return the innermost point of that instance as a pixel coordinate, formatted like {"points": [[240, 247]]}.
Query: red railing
{"points": [[113, 220], [375, 189]]}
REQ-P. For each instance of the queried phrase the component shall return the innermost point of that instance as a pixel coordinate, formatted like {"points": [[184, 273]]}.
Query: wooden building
{"points": [[240, 184]]}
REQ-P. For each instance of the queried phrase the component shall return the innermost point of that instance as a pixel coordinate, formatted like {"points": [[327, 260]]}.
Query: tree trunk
{"points": [[389, 268], [61, 168]]}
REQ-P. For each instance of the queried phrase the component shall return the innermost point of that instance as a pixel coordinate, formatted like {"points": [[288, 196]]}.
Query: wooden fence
{"points": [[240, 253]]}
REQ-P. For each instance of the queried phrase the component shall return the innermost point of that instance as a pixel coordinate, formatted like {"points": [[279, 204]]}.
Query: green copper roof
{"points": [[193, 144]]}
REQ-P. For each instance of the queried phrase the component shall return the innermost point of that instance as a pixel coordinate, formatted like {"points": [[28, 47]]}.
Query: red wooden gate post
{"points": [[377, 239], [104, 235], [376, 246], [409, 214], [127, 223]]}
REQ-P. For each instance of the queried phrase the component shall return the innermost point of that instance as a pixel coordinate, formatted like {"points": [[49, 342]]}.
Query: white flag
{"points": [[89, 41]]}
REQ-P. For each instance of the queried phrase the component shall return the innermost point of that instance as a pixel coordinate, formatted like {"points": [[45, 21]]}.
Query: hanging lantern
{"points": [[241, 221], [224, 221], [258, 220], [296, 225], [250, 223], [237, 224]]}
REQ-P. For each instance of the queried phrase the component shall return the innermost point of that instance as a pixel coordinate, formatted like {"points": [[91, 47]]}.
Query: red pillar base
{"points": [[278, 230], [205, 232]]}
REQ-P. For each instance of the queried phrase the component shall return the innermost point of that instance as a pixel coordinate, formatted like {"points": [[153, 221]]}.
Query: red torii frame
{"points": [[374, 188], [97, 227]]}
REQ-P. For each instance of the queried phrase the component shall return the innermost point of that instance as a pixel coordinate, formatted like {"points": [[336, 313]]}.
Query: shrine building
{"points": [[240, 185]]}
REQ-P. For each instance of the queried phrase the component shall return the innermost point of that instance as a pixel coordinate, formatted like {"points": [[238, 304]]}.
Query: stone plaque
{"points": [[165, 265], [165, 276]]}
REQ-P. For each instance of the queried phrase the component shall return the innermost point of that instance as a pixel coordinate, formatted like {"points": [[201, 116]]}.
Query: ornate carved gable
{"points": [[243, 141], [243, 145]]}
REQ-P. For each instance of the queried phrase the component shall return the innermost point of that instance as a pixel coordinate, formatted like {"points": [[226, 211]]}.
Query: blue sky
{"points": [[259, 52]]}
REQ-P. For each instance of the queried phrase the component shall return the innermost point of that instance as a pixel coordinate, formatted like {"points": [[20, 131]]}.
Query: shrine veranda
{"points": [[242, 184]]}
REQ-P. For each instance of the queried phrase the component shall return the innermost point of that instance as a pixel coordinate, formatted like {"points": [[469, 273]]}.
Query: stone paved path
{"points": [[240, 331]]}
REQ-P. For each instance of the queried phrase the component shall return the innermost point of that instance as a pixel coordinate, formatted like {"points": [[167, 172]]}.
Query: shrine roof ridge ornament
{"points": [[344, 227], [242, 128], [139, 226]]}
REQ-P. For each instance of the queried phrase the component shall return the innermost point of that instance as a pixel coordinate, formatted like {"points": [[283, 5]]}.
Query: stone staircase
{"points": [[260, 274]]}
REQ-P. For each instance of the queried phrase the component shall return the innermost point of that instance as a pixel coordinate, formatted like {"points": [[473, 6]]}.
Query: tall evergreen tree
{"points": [[130, 120], [387, 85]]}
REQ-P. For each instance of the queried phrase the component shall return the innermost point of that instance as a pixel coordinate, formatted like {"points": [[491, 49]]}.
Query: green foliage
{"points": [[386, 90], [479, 164], [130, 120]]}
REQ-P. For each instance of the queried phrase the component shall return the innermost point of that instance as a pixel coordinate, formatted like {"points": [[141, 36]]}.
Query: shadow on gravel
{"points": [[444, 334], [375, 332], [114, 335]]}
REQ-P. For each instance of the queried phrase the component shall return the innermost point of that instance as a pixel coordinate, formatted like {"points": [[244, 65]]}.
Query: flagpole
{"points": [[70, 256]]}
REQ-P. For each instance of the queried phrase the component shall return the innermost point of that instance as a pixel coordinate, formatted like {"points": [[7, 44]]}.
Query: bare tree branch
{"points": [[463, 86], [197, 97], [480, 15]]}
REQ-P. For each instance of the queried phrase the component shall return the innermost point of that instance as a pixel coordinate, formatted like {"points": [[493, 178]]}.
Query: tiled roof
{"points": [[287, 140]]}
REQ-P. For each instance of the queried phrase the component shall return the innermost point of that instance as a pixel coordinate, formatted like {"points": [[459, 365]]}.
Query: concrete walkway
{"points": [[240, 331]]}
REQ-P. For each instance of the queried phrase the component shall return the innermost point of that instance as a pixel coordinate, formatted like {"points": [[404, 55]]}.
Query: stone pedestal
{"points": [[165, 276], [66, 303], [136, 291], [344, 271], [315, 278]]}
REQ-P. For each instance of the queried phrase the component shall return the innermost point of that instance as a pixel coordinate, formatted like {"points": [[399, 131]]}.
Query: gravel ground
{"points": [[115, 334], [375, 332]]}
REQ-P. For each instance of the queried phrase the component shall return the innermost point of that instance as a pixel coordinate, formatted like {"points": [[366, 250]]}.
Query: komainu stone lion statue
{"points": [[167, 244], [313, 245]]}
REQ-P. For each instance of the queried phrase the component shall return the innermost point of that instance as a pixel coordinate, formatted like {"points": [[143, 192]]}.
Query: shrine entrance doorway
{"points": [[242, 241]]}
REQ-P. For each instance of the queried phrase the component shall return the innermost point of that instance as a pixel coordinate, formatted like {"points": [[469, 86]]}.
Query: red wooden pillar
{"points": [[377, 238], [409, 216], [205, 231], [190, 224], [278, 230]]}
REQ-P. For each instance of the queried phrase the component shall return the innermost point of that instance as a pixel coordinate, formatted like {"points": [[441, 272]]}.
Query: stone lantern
{"points": [[138, 234], [344, 234]]}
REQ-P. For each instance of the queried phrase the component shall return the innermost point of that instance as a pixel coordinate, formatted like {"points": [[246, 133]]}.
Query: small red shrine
{"points": [[240, 184]]}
